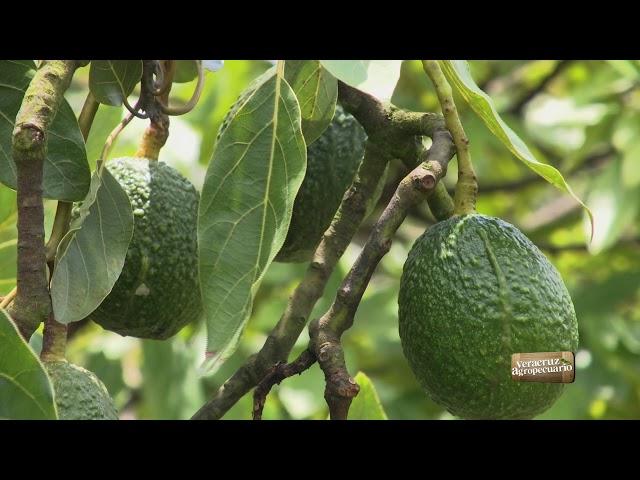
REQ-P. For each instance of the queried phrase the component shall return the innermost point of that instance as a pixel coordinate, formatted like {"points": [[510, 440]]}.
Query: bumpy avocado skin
{"points": [[79, 394], [332, 162], [157, 292], [475, 290]]}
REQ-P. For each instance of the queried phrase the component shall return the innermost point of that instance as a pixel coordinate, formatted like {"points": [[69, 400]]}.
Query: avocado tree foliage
{"points": [[136, 248]]}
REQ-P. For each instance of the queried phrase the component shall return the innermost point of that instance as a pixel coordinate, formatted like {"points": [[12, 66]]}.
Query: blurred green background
{"points": [[583, 117]]}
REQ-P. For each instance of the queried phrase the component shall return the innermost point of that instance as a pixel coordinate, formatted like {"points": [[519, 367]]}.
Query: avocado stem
{"points": [[54, 342], [467, 185], [156, 134]]}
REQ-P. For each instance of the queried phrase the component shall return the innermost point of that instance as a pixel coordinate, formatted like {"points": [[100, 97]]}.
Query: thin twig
{"points": [[467, 185], [110, 142], [193, 101], [8, 298], [278, 373]]}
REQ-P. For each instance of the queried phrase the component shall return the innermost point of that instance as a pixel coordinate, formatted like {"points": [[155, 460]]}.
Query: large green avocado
{"points": [[157, 292], [475, 290], [79, 394], [332, 162]]}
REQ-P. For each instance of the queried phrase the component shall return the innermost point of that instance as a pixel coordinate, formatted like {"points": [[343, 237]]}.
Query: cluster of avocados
{"points": [[157, 292], [474, 289]]}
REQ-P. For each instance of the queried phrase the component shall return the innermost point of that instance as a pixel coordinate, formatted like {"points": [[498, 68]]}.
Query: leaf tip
{"points": [[211, 364]]}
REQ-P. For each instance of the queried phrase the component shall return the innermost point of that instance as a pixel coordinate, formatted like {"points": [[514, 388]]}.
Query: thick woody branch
{"points": [[39, 107], [326, 333], [387, 139]]}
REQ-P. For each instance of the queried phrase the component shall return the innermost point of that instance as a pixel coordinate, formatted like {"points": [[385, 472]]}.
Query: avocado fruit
{"points": [[475, 290], [157, 292], [79, 393], [332, 162]]}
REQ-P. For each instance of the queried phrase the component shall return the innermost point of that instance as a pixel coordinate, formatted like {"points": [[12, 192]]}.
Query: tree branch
{"points": [[467, 185], [325, 333], [39, 107], [278, 373], [388, 138]]}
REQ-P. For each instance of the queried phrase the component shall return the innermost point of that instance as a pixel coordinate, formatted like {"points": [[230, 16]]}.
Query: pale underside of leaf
{"points": [[92, 254], [317, 93], [245, 210], [458, 73]]}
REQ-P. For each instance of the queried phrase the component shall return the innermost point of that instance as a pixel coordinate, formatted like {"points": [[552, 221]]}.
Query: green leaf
{"points": [[25, 389], [66, 171], [366, 405], [8, 205], [105, 121], [458, 74], [111, 81], [375, 77], [8, 239], [186, 70], [91, 255], [614, 206], [245, 210], [317, 92]]}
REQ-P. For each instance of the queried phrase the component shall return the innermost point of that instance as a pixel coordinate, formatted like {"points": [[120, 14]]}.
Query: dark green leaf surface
{"points": [[66, 171], [111, 81], [91, 256], [25, 390], [245, 209]]}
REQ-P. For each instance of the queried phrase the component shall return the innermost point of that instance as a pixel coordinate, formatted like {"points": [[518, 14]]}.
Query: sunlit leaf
{"points": [[246, 205], [458, 74], [366, 405], [317, 92], [25, 389], [375, 77]]}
